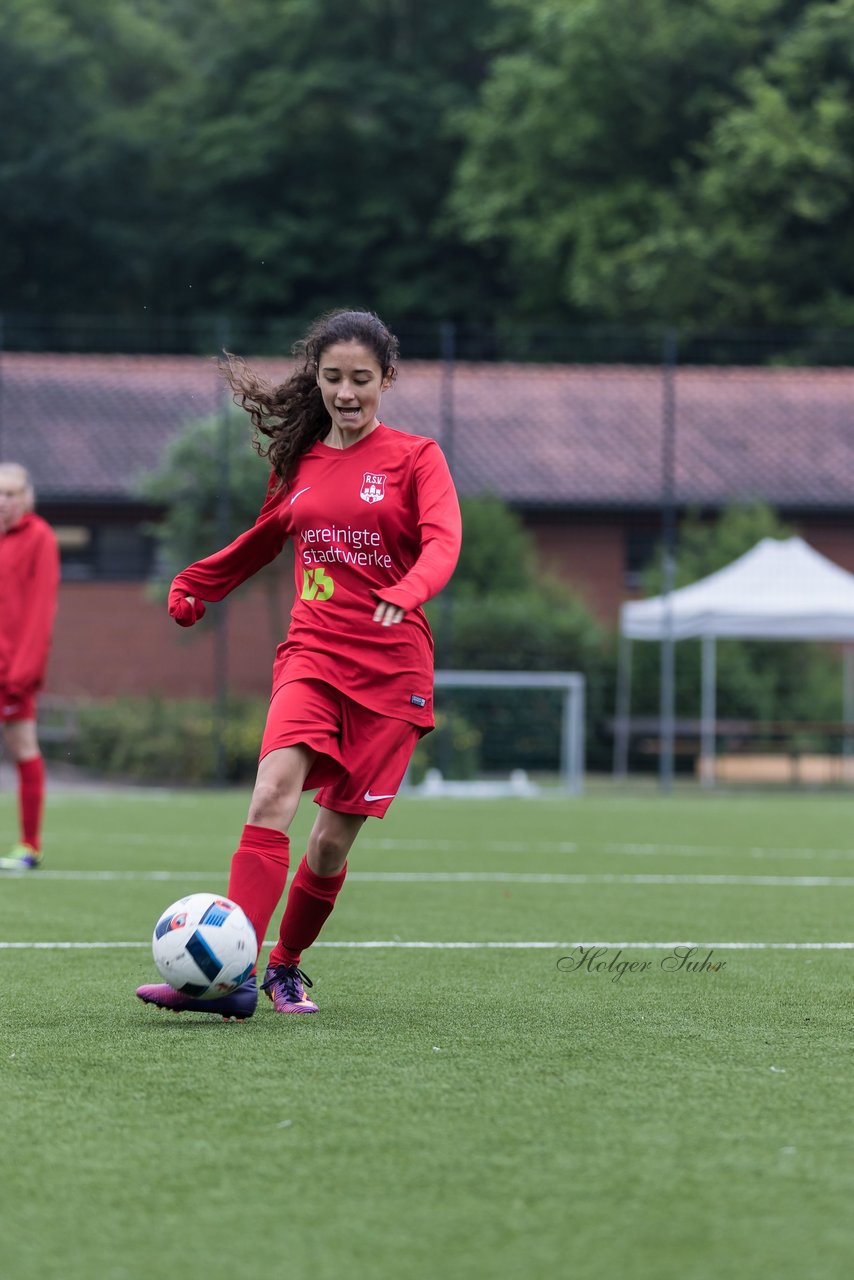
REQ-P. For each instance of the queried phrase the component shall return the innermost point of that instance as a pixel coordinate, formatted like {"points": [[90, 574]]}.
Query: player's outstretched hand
{"points": [[186, 610], [388, 614]]}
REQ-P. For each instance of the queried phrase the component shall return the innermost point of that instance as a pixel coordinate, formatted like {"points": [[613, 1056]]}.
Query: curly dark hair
{"points": [[292, 415]]}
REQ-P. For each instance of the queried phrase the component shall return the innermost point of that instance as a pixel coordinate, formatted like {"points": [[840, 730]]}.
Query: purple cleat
{"points": [[239, 1004], [284, 986]]}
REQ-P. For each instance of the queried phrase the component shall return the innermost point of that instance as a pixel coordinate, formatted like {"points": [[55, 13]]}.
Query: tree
{"points": [[316, 144], [189, 484], [497, 555], [502, 614], [210, 486], [80, 83], [771, 219], [657, 160], [270, 158], [706, 546]]}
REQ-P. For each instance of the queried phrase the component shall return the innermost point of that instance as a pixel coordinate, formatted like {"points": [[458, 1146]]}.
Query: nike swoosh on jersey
{"points": [[298, 492], [369, 796]]}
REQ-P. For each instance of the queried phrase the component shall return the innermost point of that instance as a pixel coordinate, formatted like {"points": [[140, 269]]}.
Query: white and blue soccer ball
{"points": [[204, 945]]}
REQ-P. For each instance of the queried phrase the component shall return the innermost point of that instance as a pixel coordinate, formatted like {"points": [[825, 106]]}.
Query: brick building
{"points": [[576, 450]]}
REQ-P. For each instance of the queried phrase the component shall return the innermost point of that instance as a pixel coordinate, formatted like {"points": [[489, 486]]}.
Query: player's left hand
{"points": [[388, 614]]}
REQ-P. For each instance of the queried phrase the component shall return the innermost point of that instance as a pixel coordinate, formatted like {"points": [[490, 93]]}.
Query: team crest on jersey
{"points": [[373, 487]]}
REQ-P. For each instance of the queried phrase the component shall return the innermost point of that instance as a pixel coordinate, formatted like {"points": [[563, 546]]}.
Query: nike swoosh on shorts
{"points": [[369, 796]]}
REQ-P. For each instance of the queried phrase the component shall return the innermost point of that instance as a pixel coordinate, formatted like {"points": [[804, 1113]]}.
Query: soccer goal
{"points": [[571, 687]]}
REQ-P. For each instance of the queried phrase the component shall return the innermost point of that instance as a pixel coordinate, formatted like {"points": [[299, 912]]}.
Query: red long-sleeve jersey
{"points": [[29, 582], [378, 520]]}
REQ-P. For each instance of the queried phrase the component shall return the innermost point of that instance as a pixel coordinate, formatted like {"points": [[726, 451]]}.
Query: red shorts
{"points": [[20, 707], [361, 756]]}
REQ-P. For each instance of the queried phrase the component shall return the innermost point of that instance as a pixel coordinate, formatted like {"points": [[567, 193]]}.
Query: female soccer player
{"points": [[375, 523], [29, 583]]}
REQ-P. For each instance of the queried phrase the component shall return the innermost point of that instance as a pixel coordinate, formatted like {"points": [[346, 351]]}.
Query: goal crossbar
{"points": [[571, 683]]}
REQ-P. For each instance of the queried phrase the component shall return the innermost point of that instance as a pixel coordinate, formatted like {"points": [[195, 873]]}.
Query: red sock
{"points": [[31, 799], [310, 903], [259, 871]]}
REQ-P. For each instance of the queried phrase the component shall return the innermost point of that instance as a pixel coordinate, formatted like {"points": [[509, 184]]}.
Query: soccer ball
{"points": [[204, 945]]}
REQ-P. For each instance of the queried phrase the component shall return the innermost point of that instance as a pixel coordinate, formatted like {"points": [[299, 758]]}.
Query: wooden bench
{"points": [[809, 751], [687, 732], [810, 769]]}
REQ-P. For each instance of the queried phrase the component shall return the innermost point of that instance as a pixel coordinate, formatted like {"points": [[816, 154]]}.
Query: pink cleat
{"points": [[284, 986], [239, 1004]]}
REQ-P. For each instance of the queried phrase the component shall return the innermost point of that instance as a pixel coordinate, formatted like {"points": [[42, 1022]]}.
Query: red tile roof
{"points": [[555, 435]]}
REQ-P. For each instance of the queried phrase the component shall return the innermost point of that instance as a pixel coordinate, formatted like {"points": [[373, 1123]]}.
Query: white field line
{"points": [[581, 878], [395, 944], [632, 849], [470, 877]]}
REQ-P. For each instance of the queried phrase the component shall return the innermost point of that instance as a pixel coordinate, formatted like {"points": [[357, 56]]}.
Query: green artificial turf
{"points": [[477, 1112]]}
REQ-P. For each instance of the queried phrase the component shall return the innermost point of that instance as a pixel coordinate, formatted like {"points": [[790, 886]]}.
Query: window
{"points": [[640, 547], [105, 551]]}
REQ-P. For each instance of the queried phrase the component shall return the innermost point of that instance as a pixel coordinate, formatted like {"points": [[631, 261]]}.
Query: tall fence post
{"points": [[623, 707], [447, 352], [667, 710], [2, 348], [848, 703], [221, 687]]}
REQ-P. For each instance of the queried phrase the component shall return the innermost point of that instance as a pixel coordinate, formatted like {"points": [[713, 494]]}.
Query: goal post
{"points": [[571, 684]]}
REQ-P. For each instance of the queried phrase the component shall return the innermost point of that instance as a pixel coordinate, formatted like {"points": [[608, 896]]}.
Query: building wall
{"points": [[111, 639], [589, 555], [833, 539]]}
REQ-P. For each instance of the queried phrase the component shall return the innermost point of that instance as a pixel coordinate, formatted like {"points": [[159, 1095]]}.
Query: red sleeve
{"points": [[214, 577], [440, 529], [29, 661]]}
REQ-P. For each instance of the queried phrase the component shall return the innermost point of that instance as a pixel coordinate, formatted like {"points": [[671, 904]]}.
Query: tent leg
{"points": [[667, 705], [622, 710], [708, 712], [848, 711]]}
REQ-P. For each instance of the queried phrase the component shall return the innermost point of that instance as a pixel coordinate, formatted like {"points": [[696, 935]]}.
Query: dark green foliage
{"points": [[210, 484], [619, 161], [655, 159], [706, 546], [268, 157], [497, 555], [532, 631], [502, 615], [166, 740], [454, 747]]}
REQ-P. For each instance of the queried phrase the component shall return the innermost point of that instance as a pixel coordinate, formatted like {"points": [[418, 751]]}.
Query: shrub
{"points": [[163, 740], [454, 747], [547, 629]]}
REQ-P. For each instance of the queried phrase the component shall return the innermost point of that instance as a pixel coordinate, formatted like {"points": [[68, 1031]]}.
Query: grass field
{"points": [[476, 1098]]}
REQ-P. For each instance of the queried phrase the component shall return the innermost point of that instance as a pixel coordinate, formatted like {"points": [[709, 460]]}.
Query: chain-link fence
{"points": [[562, 420], [601, 439]]}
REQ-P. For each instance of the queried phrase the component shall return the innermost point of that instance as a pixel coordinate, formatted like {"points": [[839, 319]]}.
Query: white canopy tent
{"points": [[782, 589]]}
